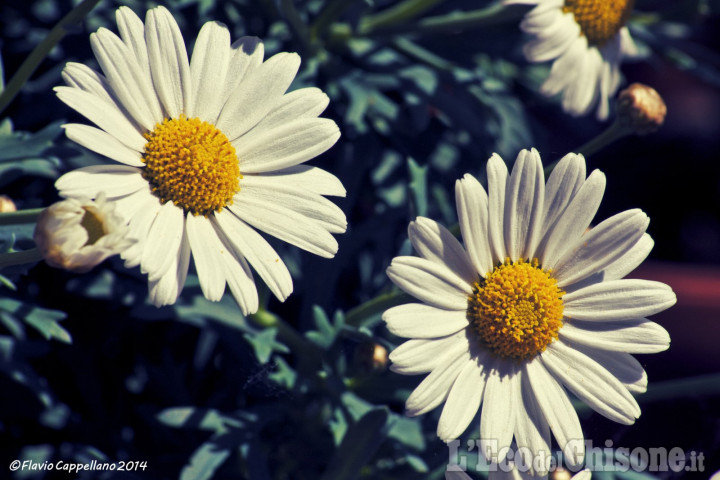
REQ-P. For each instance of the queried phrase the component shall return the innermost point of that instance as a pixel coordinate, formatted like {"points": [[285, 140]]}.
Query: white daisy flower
{"points": [[533, 306], [207, 151], [586, 39], [78, 234]]}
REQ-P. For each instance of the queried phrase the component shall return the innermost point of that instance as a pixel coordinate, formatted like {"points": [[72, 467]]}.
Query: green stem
{"points": [[416, 52], [296, 23], [40, 52], [299, 345], [454, 22], [19, 258], [328, 15], [22, 216], [379, 304], [611, 134], [399, 13]]}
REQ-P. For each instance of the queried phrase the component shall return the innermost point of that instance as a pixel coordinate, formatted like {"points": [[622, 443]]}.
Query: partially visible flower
{"points": [[6, 204], [78, 234], [641, 109], [208, 150], [586, 39], [532, 307]]}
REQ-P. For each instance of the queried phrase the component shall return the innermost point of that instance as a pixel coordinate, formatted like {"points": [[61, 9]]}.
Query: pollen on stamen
{"points": [[191, 163], [516, 310], [599, 20]]}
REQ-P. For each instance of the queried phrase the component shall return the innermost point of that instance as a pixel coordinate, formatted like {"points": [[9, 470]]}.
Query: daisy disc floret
{"points": [[586, 40], [207, 151], [533, 307]]}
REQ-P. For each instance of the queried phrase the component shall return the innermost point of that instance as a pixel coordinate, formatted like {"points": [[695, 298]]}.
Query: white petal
{"points": [[103, 114], [563, 184], [114, 180], [290, 144], [132, 32], [127, 78], [208, 67], [303, 103], [618, 300], [429, 282], [163, 241], [166, 289], [558, 411], [242, 286], [84, 78], [285, 224], [603, 245], [274, 190], [103, 143], [263, 258], [591, 383], [630, 260], [138, 227], [417, 320], [574, 220], [246, 55], [423, 355], [168, 61], [639, 335], [552, 42], [497, 174], [314, 179], [532, 432], [209, 255], [524, 206], [471, 201], [434, 389], [622, 365], [463, 401], [564, 70], [434, 242], [258, 94], [497, 420]]}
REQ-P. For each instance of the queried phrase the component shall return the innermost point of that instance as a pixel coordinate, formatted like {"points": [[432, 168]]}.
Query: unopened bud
{"points": [[77, 234], [6, 204], [560, 474], [641, 109], [371, 356]]}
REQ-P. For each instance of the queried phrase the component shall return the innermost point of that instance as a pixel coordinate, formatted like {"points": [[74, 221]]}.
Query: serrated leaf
{"points": [[204, 461], [284, 374], [198, 419], [264, 344], [43, 320]]}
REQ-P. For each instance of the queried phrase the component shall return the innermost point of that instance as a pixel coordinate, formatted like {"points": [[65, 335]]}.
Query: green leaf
{"points": [[359, 444], [43, 320], [198, 419], [418, 188], [326, 332], [204, 461], [284, 374], [264, 344]]}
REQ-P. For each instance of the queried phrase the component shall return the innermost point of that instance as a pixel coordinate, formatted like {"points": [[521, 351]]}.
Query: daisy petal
{"points": [[497, 173], [240, 280], [423, 355], [303, 103], [114, 180], [417, 320], [563, 184], [433, 284], [139, 225], [290, 144], [524, 205], [602, 246], [621, 365], [132, 33], [497, 420], [168, 61], [208, 252], [574, 220], [263, 258], [163, 241], [208, 67], [103, 143], [166, 289], [246, 54], [472, 207], [591, 383], [463, 401], [314, 179], [84, 78], [434, 242], [558, 411], [259, 93], [532, 432], [618, 300], [434, 389], [639, 335]]}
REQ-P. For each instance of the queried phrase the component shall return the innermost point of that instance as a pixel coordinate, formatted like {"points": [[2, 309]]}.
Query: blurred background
{"points": [[90, 370]]}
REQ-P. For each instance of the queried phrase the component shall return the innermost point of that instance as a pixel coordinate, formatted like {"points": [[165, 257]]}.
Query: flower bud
{"points": [[641, 109], [6, 204], [77, 234]]}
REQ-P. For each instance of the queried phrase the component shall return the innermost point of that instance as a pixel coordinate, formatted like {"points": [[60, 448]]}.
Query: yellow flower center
{"points": [[599, 20], [516, 310], [192, 164], [93, 225]]}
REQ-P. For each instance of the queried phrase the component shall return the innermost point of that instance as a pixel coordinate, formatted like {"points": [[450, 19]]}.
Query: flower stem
{"points": [[358, 315], [22, 216], [296, 23], [40, 52], [19, 258], [399, 13], [333, 9], [299, 345]]}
